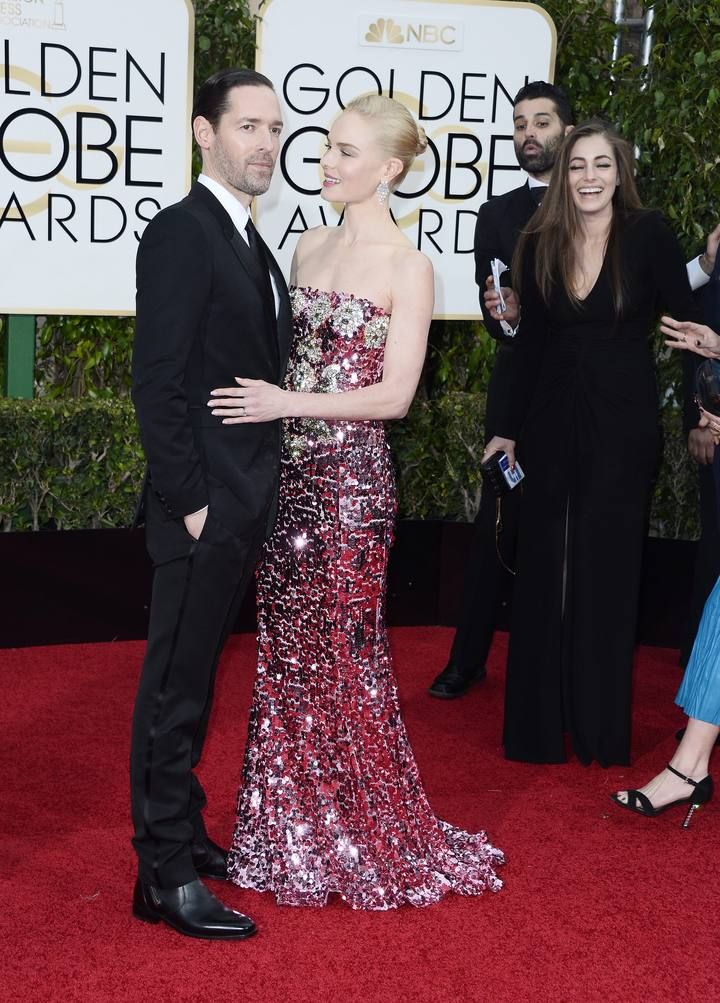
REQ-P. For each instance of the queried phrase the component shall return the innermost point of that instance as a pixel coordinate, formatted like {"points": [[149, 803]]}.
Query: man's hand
{"points": [[712, 423], [707, 259], [195, 522], [503, 445], [701, 445], [492, 301]]}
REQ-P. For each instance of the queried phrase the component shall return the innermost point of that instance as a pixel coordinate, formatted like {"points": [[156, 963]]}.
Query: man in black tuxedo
{"points": [[541, 118], [211, 302]]}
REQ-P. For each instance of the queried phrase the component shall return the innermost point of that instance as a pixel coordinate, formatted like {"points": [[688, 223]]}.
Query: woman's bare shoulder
{"points": [[315, 237], [312, 241], [411, 263]]}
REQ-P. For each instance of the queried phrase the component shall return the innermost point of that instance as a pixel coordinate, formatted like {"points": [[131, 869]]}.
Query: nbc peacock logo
{"points": [[410, 32], [384, 30]]}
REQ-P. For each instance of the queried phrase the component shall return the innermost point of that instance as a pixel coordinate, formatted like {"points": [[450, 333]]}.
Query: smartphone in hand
{"points": [[498, 267], [500, 475]]}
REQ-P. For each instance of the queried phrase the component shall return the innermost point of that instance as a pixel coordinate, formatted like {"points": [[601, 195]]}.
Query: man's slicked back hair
{"points": [[213, 98]]}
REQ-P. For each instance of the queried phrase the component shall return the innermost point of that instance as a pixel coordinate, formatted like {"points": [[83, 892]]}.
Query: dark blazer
{"points": [[709, 298], [498, 227], [712, 298], [205, 314]]}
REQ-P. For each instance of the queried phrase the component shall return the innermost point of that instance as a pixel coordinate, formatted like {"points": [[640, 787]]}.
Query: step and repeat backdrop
{"points": [[95, 129], [456, 66], [94, 140]]}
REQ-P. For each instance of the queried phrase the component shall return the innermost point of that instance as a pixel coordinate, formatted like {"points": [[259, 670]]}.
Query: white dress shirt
{"points": [[696, 276], [534, 183]]}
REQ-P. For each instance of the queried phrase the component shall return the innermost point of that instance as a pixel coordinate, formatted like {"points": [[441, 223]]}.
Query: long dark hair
{"points": [[556, 224]]}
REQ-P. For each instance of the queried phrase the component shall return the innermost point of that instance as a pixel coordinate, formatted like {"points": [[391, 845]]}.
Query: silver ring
{"points": [[242, 409]]}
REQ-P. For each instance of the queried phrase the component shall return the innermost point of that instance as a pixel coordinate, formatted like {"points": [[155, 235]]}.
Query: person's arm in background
{"points": [[700, 441], [516, 371], [700, 269], [688, 333], [486, 247]]}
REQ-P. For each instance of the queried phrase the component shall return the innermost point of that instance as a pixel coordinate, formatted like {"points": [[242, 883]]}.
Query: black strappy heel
{"points": [[642, 805]]}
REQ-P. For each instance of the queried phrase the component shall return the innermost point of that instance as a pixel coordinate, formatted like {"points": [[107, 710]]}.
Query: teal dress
{"points": [[699, 693]]}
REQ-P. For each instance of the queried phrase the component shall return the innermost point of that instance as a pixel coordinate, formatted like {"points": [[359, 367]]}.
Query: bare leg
{"points": [[691, 758]]}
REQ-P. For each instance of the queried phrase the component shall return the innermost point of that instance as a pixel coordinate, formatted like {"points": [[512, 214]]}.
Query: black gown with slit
{"points": [[580, 395]]}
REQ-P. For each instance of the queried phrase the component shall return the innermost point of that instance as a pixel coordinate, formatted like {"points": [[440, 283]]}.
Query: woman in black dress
{"points": [[594, 271]]}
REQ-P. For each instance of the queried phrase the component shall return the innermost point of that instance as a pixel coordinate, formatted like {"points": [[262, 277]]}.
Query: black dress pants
{"points": [[487, 581], [195, 600]]}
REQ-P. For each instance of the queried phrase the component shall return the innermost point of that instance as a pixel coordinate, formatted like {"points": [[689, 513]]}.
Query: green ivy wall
{"points": [[70, 459]]}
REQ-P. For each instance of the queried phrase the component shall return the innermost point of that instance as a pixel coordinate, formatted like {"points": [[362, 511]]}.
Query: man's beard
{"points": [[542, 161], [250, 183], [243, 178]]}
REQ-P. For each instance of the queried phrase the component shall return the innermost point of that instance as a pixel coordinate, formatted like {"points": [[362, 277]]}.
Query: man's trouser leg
{"points": [[193, 600]]}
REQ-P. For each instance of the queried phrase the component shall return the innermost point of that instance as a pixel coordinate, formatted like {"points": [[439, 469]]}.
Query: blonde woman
{"points": [[331, 799]]}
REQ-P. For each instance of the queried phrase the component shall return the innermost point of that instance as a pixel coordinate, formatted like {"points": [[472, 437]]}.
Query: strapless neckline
{"points": [[341, 294]]}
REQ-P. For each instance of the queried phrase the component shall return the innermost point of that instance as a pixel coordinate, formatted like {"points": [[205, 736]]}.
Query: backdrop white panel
{"points": [[94, 140], [456, 66]]}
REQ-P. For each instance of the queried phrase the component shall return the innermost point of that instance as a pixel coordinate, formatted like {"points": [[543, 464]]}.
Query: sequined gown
{"points": [[331, 799]]}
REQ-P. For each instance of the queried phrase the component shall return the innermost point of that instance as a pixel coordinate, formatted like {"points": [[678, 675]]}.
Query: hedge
{"points": [[78, 464], [68, 464]]}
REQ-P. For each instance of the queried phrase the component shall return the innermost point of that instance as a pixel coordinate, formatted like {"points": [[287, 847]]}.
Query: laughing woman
{"points": [[593, 272]]}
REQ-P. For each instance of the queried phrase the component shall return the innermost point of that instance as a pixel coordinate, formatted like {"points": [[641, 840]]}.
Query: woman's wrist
{"points": [[706, 263], [290, 401]]}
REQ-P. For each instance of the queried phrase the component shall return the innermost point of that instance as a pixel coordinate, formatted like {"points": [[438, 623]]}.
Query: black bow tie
{"points": [[537, 193]]}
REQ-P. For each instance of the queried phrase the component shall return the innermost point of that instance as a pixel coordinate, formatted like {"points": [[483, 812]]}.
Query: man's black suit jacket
{"points": [[499, 223], [709, 297], [205, 314]]}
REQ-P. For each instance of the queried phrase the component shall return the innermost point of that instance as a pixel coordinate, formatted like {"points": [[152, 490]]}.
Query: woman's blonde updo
{"points": [[397, 132]]}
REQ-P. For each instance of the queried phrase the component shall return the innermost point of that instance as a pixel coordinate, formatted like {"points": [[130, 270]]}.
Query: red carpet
{"points": [[598, 904]]}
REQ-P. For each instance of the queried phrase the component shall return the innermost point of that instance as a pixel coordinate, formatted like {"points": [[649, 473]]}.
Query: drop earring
{"points": [[382, 191]]}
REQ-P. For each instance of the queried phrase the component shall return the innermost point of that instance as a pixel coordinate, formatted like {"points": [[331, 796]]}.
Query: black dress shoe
{"points": [[191, 909], [209, 860], [454, 681]]}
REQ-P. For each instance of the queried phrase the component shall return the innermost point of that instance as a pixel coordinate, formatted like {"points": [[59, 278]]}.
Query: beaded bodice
{"points": [[339, 341], [338, 345]]}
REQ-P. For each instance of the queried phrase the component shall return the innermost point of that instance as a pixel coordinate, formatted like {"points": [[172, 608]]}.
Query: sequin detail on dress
{"points": [[331, 798]]}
